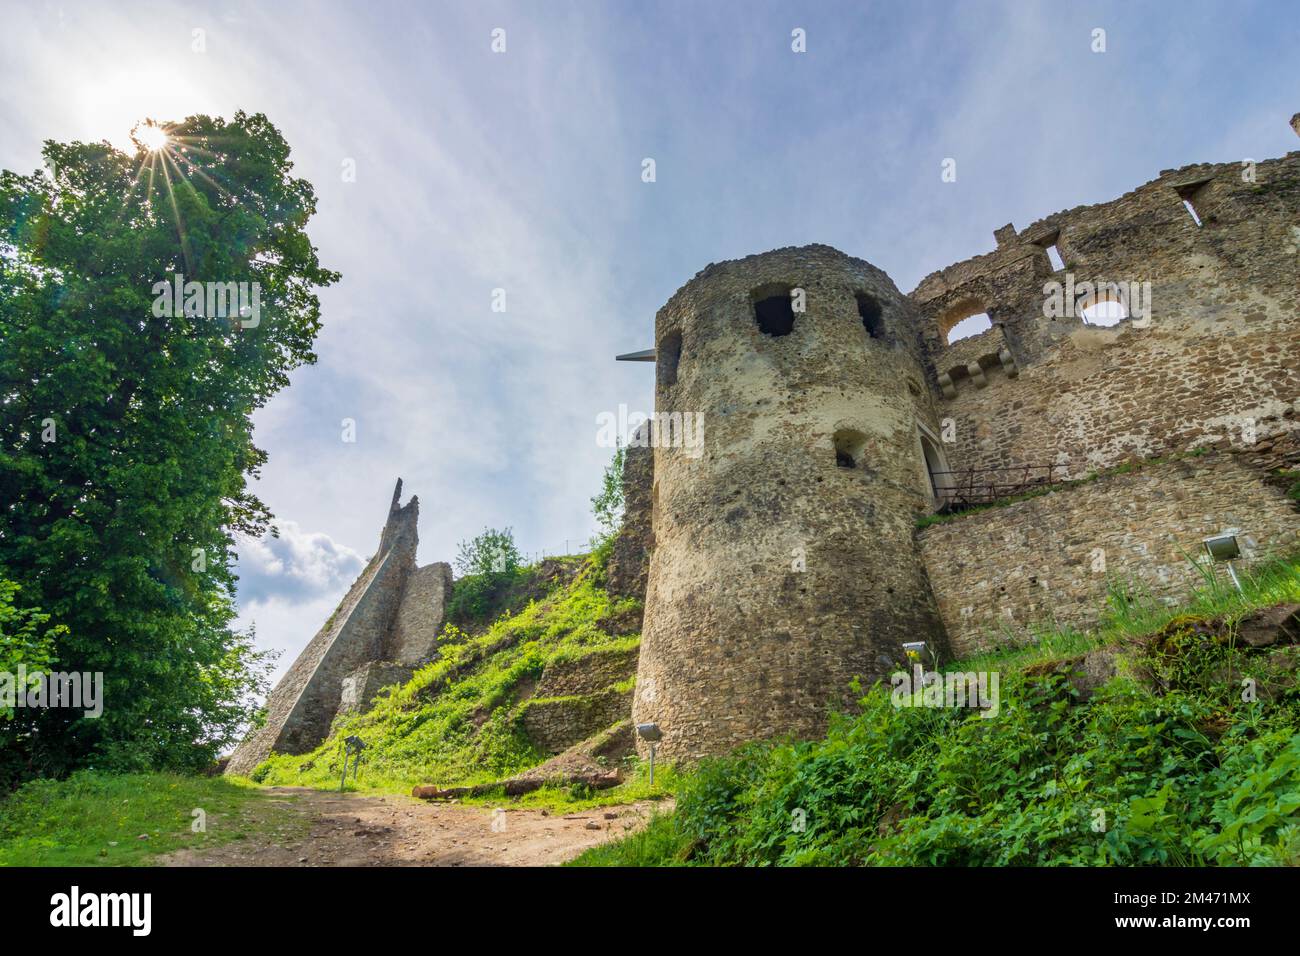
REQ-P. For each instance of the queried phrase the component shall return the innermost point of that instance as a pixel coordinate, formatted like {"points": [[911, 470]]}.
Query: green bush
{"points": [[1181, 767], [474, 596], [490, 553]]}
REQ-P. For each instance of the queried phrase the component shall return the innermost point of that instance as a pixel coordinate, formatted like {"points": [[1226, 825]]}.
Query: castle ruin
{"points": [[385, 627], [795, 552]]}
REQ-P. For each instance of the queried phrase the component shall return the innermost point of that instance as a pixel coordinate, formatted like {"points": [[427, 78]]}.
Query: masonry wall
{"points": [[629, 563], [1218, 360], [996, 573], [361, 686], [301, 707], [555, 724], [589, 674], [420, 617]]}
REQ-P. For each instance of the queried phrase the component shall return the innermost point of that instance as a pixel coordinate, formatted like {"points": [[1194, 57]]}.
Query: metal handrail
{"points": [[969, 489]]}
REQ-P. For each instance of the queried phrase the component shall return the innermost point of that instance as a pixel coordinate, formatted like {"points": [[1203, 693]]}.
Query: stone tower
{"points": [[785, 563]]}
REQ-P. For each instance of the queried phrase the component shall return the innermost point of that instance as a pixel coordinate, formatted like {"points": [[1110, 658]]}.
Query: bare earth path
{"points": [[348, 829]]}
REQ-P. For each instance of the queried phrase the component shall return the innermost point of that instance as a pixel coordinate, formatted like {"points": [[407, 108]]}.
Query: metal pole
{"points": [[1232, 572], [652, 764]]}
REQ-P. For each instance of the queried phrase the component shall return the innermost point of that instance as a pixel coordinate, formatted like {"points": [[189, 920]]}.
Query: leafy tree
{"points": [[491, 553], [489, 564], [607, 506], [25, 638], [125, 429]]}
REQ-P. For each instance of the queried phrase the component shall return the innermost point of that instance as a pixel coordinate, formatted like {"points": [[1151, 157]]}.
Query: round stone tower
{"points": [[784, 562]]}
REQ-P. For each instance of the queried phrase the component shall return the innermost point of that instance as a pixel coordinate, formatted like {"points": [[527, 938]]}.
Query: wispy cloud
{"points": [[295, 566]]}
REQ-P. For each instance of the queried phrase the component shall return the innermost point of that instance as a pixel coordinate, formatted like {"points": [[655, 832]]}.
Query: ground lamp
{"points": [[650, 734]]}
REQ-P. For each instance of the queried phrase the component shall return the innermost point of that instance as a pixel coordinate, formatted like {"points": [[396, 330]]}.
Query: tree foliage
{"points": [[607, 505], [492, 552], [488, 563], [26, 639], [126, 438]]}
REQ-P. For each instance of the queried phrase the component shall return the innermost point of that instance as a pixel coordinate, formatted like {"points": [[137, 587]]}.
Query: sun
{"points": [[151, 137]]}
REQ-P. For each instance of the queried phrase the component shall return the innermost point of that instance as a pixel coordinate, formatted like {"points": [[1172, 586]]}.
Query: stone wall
{"points": [[773, 579], [414, 636], [630, 561], [361, 686], [1216, 361], [1052, 558], [555, 724], [589, 674], [301, 707]]}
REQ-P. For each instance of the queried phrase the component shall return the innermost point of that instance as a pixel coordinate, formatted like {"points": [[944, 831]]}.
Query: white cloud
{"points": [[297, 566]]}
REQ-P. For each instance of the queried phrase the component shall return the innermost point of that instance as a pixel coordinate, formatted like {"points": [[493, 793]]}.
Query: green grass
{"points": [[458, 720], [1195, 772], [1132, 611], [657, 844], [94, 819]]}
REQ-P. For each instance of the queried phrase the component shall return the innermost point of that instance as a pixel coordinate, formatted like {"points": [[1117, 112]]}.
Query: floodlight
{"points": [[1224, 547]]}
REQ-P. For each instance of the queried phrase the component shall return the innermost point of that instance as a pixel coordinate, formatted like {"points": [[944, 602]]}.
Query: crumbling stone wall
{"points": [[589, 674], [774, 579], [779, 573], [630, 561], [361, 686], [555, 724], [1052, 559], [414, 635], [1215, 362], [380, 615]]}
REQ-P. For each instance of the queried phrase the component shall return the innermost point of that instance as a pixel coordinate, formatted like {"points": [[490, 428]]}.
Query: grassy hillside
{"points": [[460, 719], [1168, 762]]}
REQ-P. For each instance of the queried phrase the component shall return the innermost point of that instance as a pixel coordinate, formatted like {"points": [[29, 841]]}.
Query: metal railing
{"points": [[980, 486]]}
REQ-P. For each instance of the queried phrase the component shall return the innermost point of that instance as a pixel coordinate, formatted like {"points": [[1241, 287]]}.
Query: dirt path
{"points": [[348, 829]]}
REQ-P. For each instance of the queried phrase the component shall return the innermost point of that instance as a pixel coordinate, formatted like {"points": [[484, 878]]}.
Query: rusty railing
{"points": [[980, 486]]}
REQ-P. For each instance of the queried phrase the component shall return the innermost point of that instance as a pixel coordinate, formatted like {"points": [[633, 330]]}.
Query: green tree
{"points": [[491, 553], [125, 429], [26, 637], [607, 505]]}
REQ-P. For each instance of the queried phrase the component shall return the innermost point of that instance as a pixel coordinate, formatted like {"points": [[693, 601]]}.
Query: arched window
{"points": [[971, 325], [940, 478]]}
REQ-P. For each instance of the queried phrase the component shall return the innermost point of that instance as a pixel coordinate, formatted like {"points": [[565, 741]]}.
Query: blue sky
{"points": [[522, 170]]}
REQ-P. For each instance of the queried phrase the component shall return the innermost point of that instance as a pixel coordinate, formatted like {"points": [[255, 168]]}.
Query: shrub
{"points": [[490, 553]]}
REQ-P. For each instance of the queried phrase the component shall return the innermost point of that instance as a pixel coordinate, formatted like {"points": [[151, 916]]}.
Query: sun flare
{"points": [[152, 138]]}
